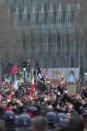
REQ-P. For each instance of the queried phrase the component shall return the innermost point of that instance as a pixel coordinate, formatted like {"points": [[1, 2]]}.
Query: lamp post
{"points": [[28, 65], [24, 69]]}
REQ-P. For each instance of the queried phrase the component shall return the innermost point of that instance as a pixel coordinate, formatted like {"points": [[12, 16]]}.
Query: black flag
{"points": [[39, 78]]}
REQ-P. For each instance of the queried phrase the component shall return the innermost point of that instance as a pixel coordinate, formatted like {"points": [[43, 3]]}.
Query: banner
{"points": [[71, 89], [56, 73]]}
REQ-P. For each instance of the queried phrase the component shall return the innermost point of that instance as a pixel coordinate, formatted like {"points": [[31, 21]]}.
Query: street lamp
{"points": [[28, 65]]}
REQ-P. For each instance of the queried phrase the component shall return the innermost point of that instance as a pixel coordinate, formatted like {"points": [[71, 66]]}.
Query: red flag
{"points": [[14, 69], [33, 89]]}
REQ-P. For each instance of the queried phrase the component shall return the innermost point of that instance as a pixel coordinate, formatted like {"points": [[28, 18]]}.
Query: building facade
{"points": [[53, 31]]}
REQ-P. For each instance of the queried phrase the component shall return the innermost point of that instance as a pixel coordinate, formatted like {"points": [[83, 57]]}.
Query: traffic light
{"points": [[24, 66], [86, 72]]}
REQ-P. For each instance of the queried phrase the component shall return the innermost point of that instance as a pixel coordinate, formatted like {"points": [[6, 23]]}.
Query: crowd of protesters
{"points": [[53, 109], [49, 110]]}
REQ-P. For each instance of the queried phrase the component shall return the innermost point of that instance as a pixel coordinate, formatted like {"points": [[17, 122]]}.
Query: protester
{"points": [[39, 124], [42, 106], [2, 125]]}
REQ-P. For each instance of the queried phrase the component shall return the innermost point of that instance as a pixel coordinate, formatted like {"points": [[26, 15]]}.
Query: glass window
{"points": [[63, 17], [71, 61], [24, 41]]}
